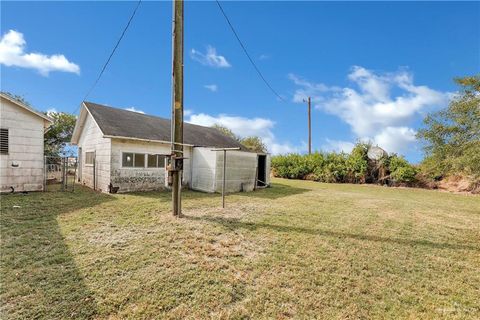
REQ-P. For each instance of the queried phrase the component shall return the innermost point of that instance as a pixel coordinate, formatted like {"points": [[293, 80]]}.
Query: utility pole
{"points": [[177, 108], [309, 101]]}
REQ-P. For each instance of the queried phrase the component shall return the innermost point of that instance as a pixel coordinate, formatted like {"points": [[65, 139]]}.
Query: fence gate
{"points": [[60, 173]]}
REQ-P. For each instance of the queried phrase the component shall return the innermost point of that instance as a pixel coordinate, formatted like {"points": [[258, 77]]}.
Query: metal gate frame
{"points": [[60, 169]]}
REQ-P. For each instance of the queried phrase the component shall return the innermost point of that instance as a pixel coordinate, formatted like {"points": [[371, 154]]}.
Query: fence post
{"points": [[44, 173]]}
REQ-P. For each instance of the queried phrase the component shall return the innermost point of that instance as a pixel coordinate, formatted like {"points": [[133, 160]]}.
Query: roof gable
{"points": [[25, 107], [122, 123]]}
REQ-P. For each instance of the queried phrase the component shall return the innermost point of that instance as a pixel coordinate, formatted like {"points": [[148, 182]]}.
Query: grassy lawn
{"points": [[297, 250]]}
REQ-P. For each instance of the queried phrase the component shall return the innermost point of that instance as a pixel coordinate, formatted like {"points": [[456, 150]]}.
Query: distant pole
{"points": [[177, 107], [309, 125], [224, 177], [309, 102]]}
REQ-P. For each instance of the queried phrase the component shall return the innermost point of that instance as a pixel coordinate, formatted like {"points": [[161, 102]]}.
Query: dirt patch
{"points": [[458, 184]]}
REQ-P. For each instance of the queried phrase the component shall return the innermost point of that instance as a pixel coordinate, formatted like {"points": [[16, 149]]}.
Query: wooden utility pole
{"points": [[309, 101], [177, 108], [309, 125]]}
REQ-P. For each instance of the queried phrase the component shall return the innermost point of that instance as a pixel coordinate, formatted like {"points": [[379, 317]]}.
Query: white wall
{"points": [[91, 139], [25, 149], [203, 169], [241, 171], [142, 179]]}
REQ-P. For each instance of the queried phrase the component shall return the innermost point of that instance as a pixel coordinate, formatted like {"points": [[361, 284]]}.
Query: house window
{"points": [[133, 160], [89, 157], [156, 161], [3, 141]]}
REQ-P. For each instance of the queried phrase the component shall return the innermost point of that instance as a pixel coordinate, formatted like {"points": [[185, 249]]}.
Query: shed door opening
{"points": [[261, 170]]}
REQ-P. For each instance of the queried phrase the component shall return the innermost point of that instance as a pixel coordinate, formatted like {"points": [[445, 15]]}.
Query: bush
{"points": [[400, 170], [341, 167], [357, 163]]}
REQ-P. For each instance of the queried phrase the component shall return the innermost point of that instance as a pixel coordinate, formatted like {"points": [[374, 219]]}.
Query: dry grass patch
{"points": [[297, 250]]}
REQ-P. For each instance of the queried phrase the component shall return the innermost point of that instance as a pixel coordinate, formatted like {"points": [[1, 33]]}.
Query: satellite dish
{"points": [[376, 153]]}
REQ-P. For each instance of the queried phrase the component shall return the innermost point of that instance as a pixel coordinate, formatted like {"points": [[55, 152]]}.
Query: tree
{"points": [[226, 131], [59, 133], [452, 135], [252, 143]]}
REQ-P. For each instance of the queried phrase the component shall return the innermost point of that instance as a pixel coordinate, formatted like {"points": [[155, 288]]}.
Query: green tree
{"points": [[254, 144], [59, 133], [452, 135], [226, 131]]}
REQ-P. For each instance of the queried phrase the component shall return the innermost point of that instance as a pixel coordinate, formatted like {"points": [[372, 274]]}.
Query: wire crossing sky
{"points": [[373, 69]]}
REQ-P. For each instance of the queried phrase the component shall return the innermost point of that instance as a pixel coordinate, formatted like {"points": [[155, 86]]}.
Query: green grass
{"points": [[297, 250]]}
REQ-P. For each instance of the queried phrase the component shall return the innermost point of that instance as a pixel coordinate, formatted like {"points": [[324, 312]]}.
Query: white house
{"points": [[126, 151], [21, 146]]}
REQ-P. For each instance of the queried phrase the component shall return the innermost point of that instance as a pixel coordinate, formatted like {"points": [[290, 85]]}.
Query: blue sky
{"points": [[373, 69]]}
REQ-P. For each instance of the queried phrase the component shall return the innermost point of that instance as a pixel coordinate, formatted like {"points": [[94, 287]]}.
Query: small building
{"points": [[21, 146], [126, 151]]}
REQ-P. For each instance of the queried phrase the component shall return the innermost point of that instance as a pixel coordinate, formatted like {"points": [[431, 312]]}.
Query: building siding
{"points": [[92, 140], [142, 179], [25, 131], [241, 171], [203, 168]]}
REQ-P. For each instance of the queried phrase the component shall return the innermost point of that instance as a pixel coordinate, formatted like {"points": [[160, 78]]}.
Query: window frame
{"points": [[159, 164], [133, 160], [86, 158]]}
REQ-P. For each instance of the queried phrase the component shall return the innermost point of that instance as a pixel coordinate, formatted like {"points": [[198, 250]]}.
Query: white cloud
{"points": [[211, 87], [378, 107], [263, 57], [210, 58], [395, 138], [244, 127], [135, 110], [12, 53], [338, 145], [187, 112], [52, 110]]}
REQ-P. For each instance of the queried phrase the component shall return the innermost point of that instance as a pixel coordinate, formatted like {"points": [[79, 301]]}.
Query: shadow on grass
{"points": [[232, 224], [39, 276], [277, 190]]}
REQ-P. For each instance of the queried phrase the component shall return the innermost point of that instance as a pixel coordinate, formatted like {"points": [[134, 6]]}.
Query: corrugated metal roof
{"points": [[129, 124]]}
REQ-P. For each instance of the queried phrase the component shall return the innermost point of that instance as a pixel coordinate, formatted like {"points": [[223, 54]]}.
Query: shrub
{"points": [[400, 170], [357, 162]]}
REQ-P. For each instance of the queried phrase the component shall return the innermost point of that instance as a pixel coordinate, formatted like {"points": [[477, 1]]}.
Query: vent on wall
{"points": [[3, 141]]}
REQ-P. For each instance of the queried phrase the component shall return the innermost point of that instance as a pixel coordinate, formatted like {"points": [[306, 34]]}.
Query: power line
{"points": [[247, 54], [113, 52]]}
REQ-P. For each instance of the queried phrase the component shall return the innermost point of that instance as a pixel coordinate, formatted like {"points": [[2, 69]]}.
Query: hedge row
{"points": [[354, 167]]}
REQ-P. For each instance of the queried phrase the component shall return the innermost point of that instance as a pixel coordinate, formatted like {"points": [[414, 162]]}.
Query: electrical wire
{"points": [[246, 52], [112, 53]]}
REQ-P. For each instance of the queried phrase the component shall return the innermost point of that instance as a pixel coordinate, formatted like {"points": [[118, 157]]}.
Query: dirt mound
{"points": [[458, 184]]}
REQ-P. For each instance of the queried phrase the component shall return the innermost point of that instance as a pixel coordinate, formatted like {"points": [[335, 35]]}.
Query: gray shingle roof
{"points": [[123, 123]]}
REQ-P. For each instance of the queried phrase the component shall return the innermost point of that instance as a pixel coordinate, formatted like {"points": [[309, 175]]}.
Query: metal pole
{"points": [[224, 171], [309, 126], [45, 173], [177, 106]]}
